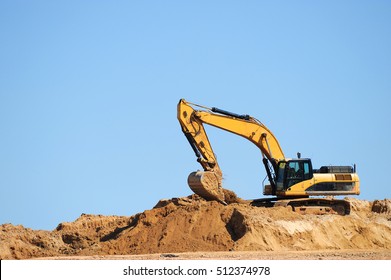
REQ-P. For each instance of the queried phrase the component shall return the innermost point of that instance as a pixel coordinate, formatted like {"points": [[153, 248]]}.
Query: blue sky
{"points": [[88, 95]]}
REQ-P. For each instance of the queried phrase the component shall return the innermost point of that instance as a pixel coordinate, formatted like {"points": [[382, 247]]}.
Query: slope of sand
{"points": [[193, 228]]}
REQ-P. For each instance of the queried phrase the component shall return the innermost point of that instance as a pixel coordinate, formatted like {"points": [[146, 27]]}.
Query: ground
{"points": [[192, 228]]}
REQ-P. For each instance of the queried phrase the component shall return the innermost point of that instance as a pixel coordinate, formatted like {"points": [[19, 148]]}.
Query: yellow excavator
{"points": [[292, 182]]}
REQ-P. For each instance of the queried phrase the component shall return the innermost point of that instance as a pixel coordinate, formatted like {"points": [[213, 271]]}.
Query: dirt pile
{"points": [[191, 224]]}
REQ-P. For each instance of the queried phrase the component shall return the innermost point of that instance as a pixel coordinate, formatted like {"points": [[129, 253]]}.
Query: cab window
{"points": [[280, 175], [296, 172]]}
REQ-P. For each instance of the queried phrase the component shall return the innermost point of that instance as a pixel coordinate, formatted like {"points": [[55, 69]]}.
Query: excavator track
{"points": [[205, 184], [320, 206], [316, 206]]}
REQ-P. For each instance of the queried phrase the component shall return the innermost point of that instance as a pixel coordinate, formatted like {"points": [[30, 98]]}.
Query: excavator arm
{"points": [[208, 184]]}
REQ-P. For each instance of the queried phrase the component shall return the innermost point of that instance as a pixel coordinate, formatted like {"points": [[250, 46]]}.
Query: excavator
{"points": [[293, 182]]}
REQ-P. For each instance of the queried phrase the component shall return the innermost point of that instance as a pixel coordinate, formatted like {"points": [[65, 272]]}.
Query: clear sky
{"points": [[88, 95]]}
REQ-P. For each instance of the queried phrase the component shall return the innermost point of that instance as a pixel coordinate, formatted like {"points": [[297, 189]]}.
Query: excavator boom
{"points": [[208, 184]]}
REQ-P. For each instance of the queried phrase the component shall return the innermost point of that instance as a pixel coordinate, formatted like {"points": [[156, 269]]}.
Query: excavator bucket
{"points": [[206, 185]]}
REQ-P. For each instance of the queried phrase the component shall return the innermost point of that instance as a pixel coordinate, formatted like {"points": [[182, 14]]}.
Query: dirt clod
{"points": [[382, 206]]}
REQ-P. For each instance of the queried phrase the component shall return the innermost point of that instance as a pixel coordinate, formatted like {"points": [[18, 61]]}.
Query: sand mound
{"points": [[191, 224]]}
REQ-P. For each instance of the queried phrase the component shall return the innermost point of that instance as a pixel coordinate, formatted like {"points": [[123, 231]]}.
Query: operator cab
{"points": [[293, 171]]}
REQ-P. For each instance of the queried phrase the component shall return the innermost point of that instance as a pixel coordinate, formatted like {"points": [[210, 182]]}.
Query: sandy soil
{"points": [[192, 228]]}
